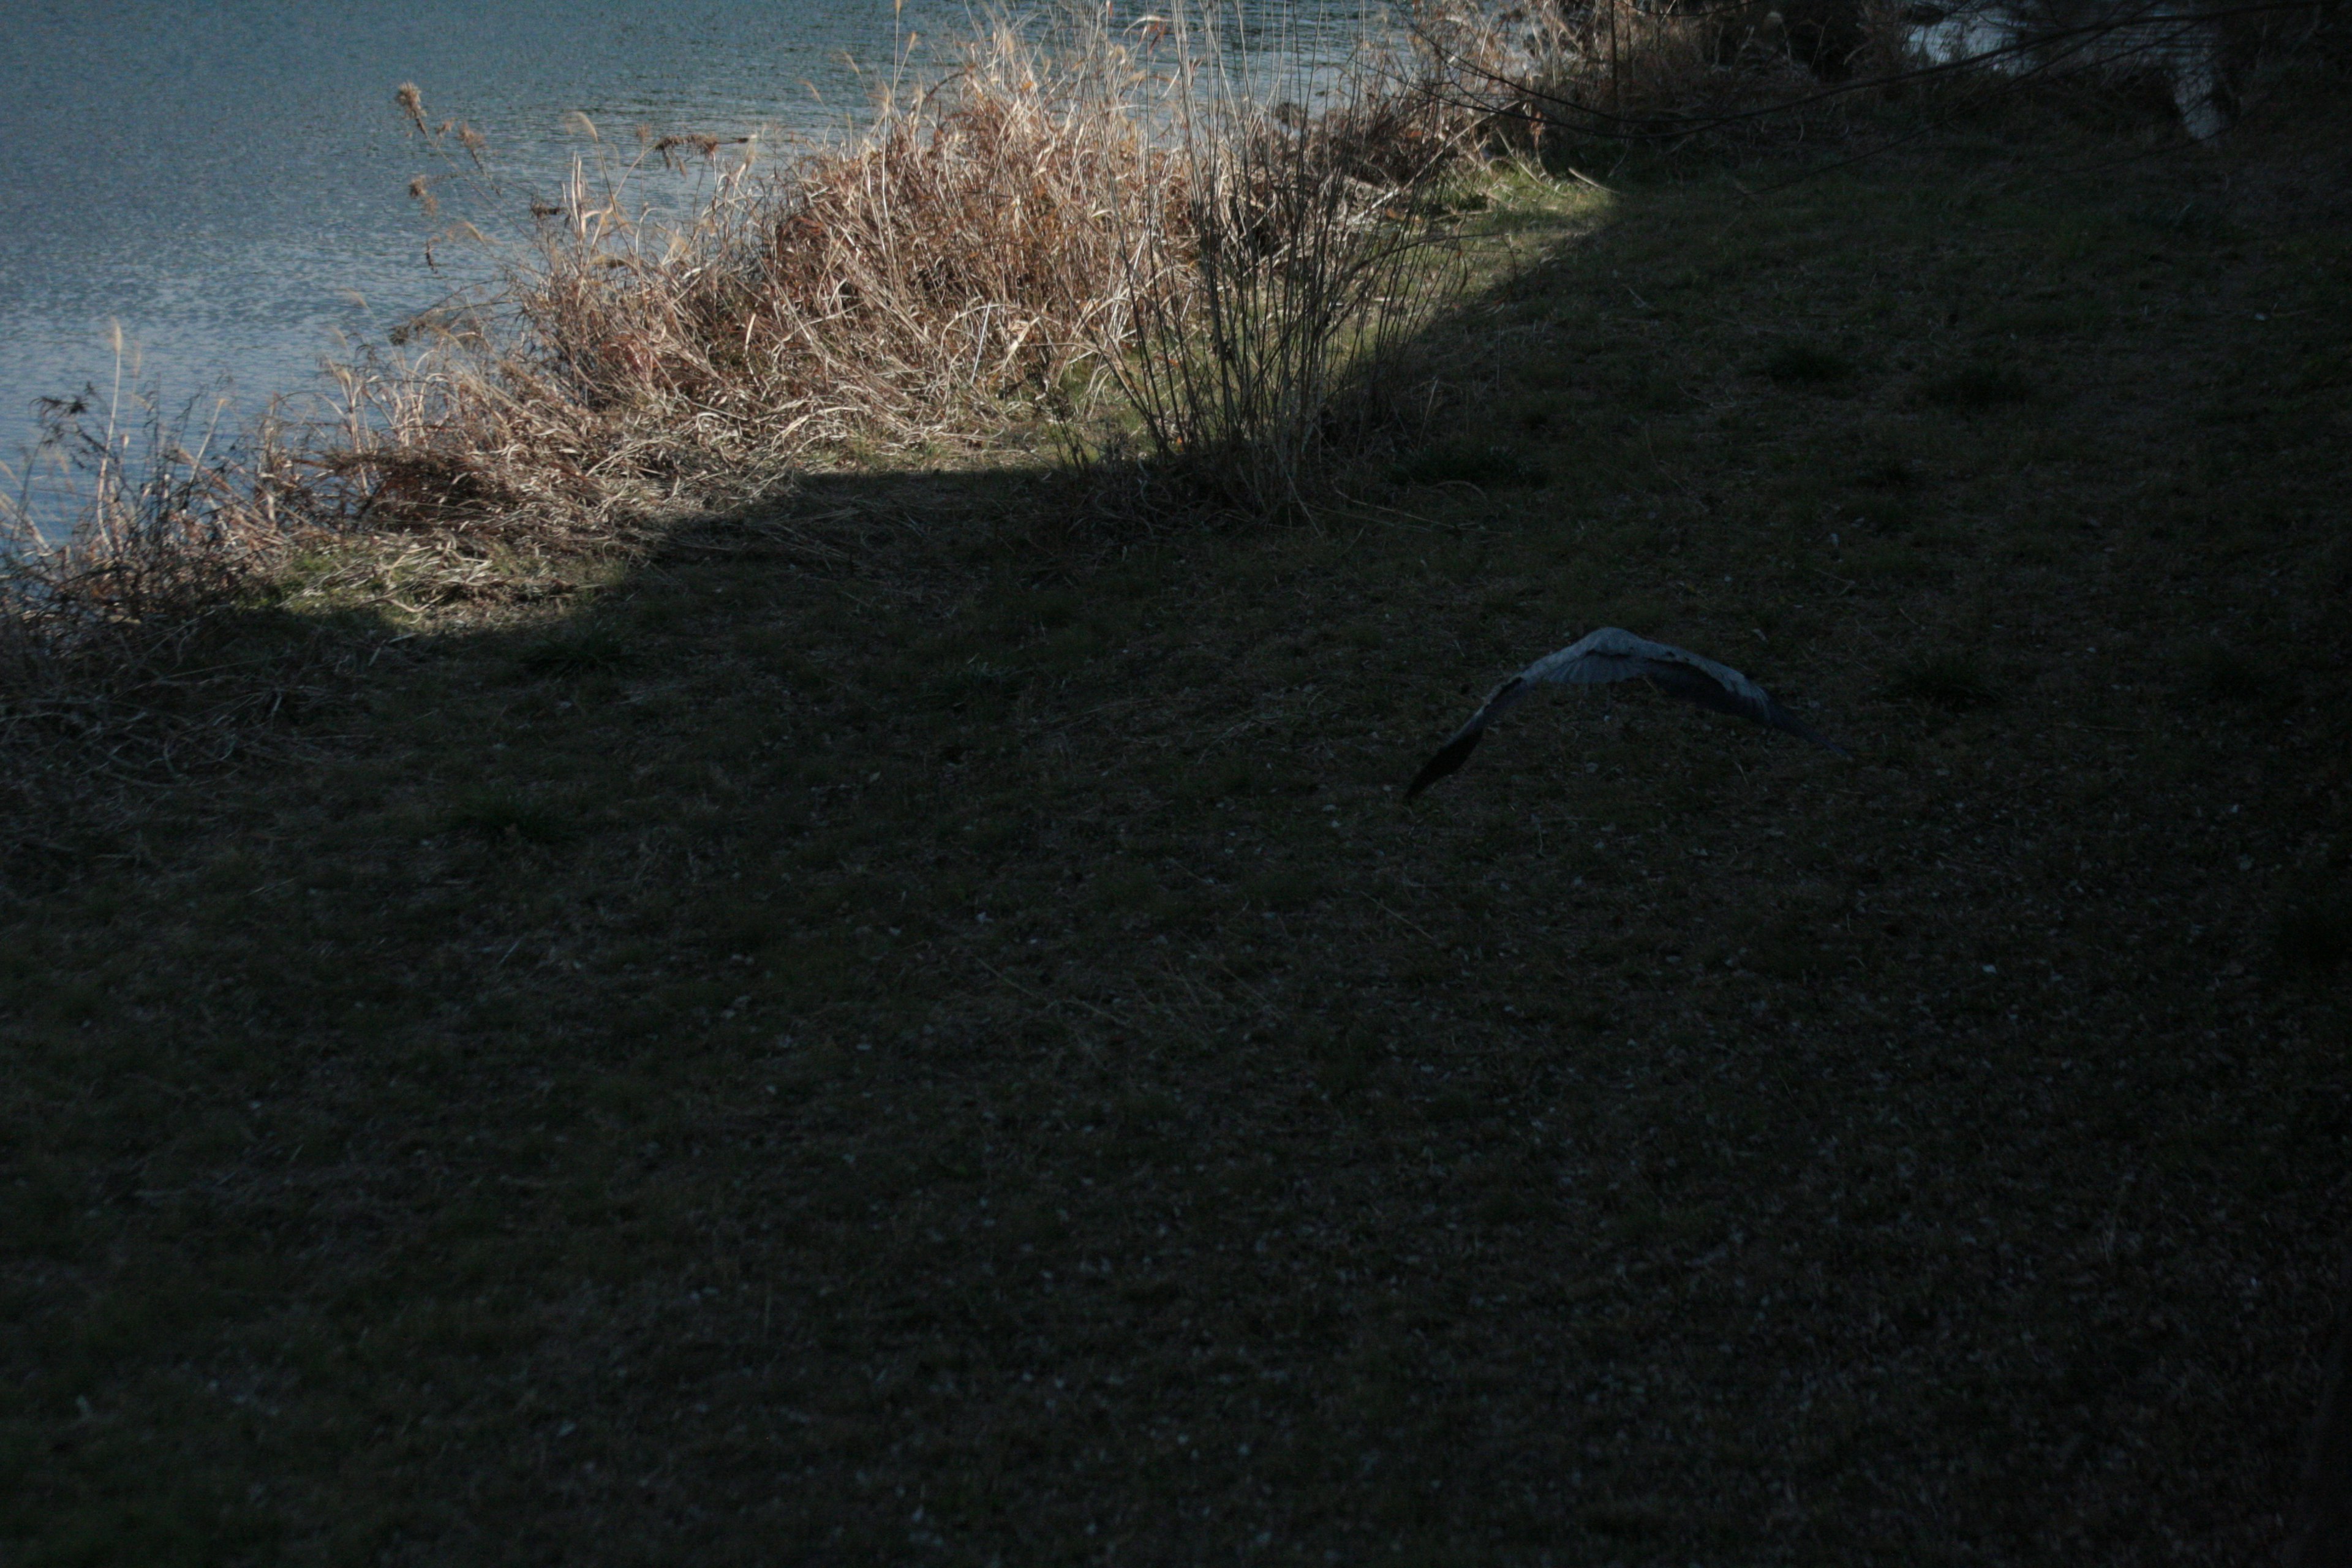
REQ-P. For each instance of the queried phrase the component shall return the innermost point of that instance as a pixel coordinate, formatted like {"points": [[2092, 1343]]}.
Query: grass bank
{"points": [[1114, 246], [949, 1044]]}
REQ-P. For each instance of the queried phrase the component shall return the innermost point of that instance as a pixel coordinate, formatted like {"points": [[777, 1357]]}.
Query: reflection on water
{"points": [[228, 181]]}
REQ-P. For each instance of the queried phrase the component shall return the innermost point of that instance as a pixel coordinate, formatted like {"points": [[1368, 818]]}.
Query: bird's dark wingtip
{"points": [[1452, 755], [1779, 718]]}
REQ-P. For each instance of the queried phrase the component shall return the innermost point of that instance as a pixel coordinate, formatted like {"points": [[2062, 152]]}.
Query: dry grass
{"points": [[1050, 222], [130, 538], [127, 520], [1277, 284], [880, 293], [1071, 216]]}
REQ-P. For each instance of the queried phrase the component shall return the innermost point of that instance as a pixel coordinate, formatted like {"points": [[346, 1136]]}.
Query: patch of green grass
{"points": [[1539, 414], [2312, 932], [1286, 889], [2221, 673], [2195, 219], [2049, 319], [1908, 562], [1894, 475]]}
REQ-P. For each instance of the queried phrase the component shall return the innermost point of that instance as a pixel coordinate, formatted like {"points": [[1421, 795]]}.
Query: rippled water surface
{"points": [[228, 180]]}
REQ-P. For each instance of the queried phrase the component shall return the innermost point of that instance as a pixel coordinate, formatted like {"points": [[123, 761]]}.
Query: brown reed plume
{"points": [[919, 285]]}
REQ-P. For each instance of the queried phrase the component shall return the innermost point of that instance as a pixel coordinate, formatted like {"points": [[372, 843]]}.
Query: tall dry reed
{"points": [[1066, 216], [127, 525], [904, 288]]}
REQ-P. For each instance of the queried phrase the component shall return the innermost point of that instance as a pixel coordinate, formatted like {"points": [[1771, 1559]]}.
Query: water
{"points": [[228, 181]]}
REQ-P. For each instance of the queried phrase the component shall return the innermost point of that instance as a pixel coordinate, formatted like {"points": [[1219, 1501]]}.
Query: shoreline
{"points": [[203, 254]]}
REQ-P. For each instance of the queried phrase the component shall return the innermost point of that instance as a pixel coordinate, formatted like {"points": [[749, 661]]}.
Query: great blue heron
{"points": [[1612, 655]]}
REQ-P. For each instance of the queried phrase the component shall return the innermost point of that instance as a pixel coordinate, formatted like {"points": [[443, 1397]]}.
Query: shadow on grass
{"points": [[901, 1015]]}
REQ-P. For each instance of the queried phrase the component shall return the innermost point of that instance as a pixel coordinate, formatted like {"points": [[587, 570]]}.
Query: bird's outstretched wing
{"points": [[1612, 655]]}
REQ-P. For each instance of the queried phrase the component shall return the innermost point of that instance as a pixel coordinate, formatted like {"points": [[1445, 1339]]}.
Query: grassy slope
{"points": [[969, 1059]]}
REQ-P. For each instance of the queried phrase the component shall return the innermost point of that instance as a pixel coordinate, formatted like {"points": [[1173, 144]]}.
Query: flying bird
{"points": [[1612, 655]]}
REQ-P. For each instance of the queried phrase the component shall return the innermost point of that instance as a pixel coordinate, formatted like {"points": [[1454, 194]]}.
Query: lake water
{"points": [[228, 181]]}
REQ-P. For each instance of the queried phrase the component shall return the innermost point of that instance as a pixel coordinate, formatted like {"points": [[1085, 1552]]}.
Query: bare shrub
{"points": [[1280, 274]]}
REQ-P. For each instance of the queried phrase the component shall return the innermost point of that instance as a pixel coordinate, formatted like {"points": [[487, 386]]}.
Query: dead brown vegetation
{"points": [[1093, 233], [106, 618]]}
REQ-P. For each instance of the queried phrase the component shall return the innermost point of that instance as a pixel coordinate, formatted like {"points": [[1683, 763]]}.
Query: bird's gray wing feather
{"points": [[1611, 654], [1614, 654], [1578, 663], [1696, 686], [1608, 655], [1692, 685]]}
